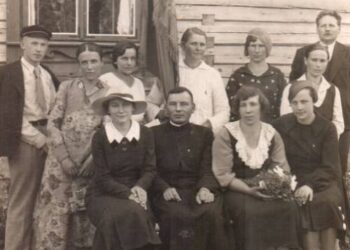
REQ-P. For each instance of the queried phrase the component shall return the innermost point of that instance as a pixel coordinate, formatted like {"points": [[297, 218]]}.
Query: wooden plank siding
{"points": [[291, 24], [3, 15]]}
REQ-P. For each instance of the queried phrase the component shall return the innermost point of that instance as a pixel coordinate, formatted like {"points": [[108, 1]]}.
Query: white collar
{"points": [[113, 133], [324, 85], [28, 65], [202, 65], [177, 125], [330, 48]]}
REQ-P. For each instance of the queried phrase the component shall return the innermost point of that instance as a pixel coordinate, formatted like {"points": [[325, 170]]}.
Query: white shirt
{"points": [[136, 89], [338, 119], [208, 91], [330, 48], [31, 109]]}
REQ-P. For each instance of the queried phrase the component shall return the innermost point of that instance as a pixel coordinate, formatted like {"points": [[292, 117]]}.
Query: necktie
{"points": [[40, 94]]}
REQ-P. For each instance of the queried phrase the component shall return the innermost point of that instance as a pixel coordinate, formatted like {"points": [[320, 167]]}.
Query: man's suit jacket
{"points": [[11, 106], [337, 72]]}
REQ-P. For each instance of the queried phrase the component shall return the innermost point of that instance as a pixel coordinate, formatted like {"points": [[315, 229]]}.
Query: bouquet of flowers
{"points": [[274, 182]]}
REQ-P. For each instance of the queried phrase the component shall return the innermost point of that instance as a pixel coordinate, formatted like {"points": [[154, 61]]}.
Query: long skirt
{"points": [[259, 224], [186, 225], [121, 224]]}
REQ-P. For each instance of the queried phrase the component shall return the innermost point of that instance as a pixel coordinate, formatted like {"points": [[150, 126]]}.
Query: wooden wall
{"points": [[2, 32], [291, 25]]}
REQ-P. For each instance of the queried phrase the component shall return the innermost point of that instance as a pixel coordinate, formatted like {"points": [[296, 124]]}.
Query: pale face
{"points": [[90, 64], [328, 29], [250, 110], [303, 107], [34, 49], [180, 108], [316, 63], [257, 51], [195, 47], [126, 63], [120, 110]]}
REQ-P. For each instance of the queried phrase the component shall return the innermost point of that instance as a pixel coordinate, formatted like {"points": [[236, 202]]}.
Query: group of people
{"points": [[87, 171]]}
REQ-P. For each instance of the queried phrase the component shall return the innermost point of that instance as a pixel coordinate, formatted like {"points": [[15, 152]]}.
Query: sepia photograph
{"points": [[174, 125]]}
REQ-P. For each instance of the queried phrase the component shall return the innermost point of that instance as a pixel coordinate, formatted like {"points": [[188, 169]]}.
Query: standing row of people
{"points": [[124, 154]]}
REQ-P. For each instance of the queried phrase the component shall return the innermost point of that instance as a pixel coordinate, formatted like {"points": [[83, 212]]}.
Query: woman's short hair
{"points": [[244, 93], [120, 48], [314, 47], [331, 13], [255, 35], [297, 86], [189, 32], [88, 46]]}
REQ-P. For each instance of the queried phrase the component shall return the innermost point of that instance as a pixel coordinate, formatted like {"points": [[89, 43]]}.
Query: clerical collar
{"points": [[178, 125], [113, 133]]}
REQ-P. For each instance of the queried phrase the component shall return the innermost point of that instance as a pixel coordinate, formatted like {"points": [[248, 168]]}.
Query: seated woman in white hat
{"points": [[123, 153]]}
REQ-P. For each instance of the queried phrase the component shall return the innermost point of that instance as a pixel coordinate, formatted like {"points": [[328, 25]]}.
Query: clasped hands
{"points": [[139, 195], [203, 195]]}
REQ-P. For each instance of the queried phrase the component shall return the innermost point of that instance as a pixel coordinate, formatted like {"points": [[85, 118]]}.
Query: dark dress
{"points": [[271, 83], [121, 224], [258, 224], [312, 153], [184, 162]]}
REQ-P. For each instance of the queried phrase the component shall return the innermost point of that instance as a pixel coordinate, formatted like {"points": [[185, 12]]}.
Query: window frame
{"points": [[82, 25]]}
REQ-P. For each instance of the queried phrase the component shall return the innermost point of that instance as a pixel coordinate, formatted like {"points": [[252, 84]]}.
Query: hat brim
{"points": [[99, 104]]}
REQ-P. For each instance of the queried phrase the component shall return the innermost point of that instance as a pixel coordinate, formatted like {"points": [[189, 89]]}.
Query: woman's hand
{"points": [[87, 168], [139, 195], [170, 194], [255, 191], [69, 167], [204, 196], [304, 194]]}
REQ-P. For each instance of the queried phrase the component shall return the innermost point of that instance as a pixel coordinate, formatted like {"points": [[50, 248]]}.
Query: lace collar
{"points": [[254, 158]]}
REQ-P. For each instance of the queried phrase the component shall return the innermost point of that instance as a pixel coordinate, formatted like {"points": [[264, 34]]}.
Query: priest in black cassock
{"points": [[186, 198]]}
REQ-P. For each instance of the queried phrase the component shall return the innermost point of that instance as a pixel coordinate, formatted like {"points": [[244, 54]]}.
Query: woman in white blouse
{"points": [[124, 59], [205, 82], [328, 104]]}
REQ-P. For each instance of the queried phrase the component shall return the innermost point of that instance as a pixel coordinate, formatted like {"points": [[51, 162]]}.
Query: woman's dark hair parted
{"points": [[89, 46], [246, 92], [120, 48], [314, 47]]}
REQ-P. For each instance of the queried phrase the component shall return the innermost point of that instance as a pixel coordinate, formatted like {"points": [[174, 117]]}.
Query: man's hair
{"points": [[179, 90], [332, 13]]}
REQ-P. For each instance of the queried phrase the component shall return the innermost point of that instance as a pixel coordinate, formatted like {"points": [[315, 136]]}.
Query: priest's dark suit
{"points": [[184, 162], [338, 73]]}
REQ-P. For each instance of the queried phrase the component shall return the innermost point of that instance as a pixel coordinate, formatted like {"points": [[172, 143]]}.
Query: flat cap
{"points": [[36, 31]]}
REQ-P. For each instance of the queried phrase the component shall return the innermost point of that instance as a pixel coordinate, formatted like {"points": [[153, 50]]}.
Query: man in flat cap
{"points": [[328, 24], [27, 92]]}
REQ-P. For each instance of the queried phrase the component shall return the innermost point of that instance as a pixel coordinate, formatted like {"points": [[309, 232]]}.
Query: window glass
{"points": [[59, 16], [111, 17]]}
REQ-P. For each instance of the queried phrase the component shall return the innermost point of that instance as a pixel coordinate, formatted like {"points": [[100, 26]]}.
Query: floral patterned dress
{"points": [[60, 209], [4, 187]]}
